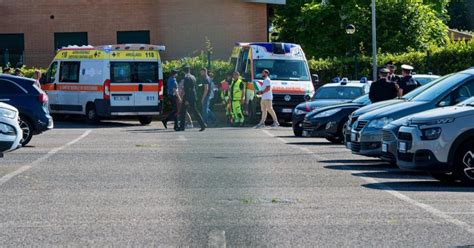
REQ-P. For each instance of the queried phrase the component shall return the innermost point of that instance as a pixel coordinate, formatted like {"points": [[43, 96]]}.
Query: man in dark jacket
{"points": [[407, 82], [189, 101], [383, 89]]}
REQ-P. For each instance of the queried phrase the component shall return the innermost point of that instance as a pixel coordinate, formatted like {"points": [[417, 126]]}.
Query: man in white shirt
{"points": [[267, 101]]}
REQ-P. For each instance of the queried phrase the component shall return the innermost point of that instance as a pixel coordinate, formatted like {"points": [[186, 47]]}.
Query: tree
{"points": [[461, 14], [319, 26]]}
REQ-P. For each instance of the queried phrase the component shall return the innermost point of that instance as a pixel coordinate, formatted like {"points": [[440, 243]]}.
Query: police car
{"points": [[106, 82]]}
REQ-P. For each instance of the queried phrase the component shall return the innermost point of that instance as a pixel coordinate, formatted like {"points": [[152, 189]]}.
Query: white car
{"points": [[10, 131]]}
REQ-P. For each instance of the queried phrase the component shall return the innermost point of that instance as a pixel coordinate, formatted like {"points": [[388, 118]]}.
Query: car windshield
{"points": [[348, 93], [418, 90], [293, 70], [362, 100], [442, 85]]}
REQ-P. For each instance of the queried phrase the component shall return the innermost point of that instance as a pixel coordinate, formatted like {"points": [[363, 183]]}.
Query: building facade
{"points": [[32, 30]]}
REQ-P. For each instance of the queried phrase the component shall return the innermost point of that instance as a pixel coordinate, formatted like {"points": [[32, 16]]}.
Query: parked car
{"points": [[31, 102], [10, 131], [328, 95], [441, 142], [366, 133], [425, 78], [371, 107], [390, 141], [329, 122]]}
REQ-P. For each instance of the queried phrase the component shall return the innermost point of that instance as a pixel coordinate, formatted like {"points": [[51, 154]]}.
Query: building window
{"points": [[133, 37], [12, 47], [70, 39], [69, 72]]}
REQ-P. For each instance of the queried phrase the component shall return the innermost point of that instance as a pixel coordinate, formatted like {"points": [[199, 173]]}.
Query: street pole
{"points": [[374, 42]]}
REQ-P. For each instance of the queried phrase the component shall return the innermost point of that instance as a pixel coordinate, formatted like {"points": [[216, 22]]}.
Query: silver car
{"points": [[441, 142], [366, 133], [10, 131]]}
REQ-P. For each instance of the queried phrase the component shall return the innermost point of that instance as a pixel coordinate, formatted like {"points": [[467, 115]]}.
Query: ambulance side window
{"points": [[69, 72], [121, 72], [50, 76], [233, 62]]}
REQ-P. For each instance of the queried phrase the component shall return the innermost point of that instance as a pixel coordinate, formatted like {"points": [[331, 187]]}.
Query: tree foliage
{"points": [[461, 14], [402, 25]]}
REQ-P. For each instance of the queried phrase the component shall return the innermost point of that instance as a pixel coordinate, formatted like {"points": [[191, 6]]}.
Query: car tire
{"points": [[27, 128], [145, 120], [91, 114], [298, 132], [464, 163], [444, 177]]}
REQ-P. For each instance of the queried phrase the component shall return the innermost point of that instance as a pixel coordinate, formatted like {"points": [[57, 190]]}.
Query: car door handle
{"points": [[4, 100]]}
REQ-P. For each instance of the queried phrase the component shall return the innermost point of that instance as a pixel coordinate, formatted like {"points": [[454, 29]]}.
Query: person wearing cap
{"points": [[407, 82], [172, 92], [391, 75], [6, 70], [189, 101], [383, 89]]}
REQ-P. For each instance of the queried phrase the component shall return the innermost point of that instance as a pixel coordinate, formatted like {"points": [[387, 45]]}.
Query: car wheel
{"points": [[91, 114], [27, 129], [444, 177], [297, 131], [145, 120], [335, 140], [464, 164]]}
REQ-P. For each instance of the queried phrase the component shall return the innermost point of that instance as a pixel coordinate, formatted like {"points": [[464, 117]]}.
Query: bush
{"points": [[453, 57], [27, 71]]}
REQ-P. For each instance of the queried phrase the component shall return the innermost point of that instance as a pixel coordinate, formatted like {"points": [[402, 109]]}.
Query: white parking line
{"points": [[216, 239], [24, 168], [436, 212]]}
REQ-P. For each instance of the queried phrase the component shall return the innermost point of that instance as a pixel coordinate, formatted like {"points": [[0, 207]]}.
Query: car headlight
{"points": [[7, 129], [327, 113], [7, 113], [300, 112], [431, 133], [380, 123]]}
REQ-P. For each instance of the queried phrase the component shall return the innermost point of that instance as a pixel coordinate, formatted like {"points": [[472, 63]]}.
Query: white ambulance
{"points": [[102, 82], [292, 83]]}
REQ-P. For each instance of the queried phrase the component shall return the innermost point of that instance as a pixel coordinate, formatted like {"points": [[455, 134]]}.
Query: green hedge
{"points": [[451, 58], [26, 71]]}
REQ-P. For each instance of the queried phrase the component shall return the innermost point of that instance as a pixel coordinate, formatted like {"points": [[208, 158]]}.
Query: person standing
{"points": [[407, 82], [37, 78], [237, 99], [207, 96], [383, 89], [266, 103], [172, 92], [189, 101], [392, 77], [224, 89]]}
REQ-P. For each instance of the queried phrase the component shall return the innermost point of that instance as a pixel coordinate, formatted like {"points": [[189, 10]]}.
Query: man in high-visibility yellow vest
{"points": [[237, 99]]}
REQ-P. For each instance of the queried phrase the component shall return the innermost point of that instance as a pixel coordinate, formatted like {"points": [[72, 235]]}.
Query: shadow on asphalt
{"points": [[100, 125], [392, 174], [343, 161], [420, 186], [312, 143]]}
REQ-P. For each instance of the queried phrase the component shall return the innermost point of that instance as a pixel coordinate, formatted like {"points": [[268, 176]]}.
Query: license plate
{"points": [[402, 147], [287, 110], [384, 147], [354, 137], [121, 98]]}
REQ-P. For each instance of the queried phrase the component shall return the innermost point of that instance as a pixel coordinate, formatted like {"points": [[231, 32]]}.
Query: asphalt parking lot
{"points": [[123, 184]]}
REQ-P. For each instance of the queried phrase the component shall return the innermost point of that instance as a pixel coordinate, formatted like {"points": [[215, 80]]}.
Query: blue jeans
{"points": [[207, 114]]}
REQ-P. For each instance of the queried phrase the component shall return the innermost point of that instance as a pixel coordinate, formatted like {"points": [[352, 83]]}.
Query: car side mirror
{"points": [[315, 78]]}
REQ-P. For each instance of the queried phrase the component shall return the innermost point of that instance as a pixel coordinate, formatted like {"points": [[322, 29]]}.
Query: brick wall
{"points": [[181, 25]]}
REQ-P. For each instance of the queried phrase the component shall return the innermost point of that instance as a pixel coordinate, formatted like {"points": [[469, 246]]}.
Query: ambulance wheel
{"points": [[27, 128], [91, 114], [145, 120]]}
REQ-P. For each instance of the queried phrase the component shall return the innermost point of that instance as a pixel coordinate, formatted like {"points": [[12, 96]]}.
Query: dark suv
{"points": [[31, 102]]}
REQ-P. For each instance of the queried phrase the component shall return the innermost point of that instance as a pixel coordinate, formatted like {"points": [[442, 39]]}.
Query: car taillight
{"points": [[106, 92], [43, 98], [161, 89]]}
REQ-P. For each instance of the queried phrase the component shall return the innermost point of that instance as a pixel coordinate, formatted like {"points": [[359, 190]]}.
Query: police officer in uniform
{"points": [[407, 82], [383, 89], [392, 77], [189, 101]]}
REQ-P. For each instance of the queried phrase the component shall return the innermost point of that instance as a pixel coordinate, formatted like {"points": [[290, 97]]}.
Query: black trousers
{"points": [[189, 105], [173, 115]]}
